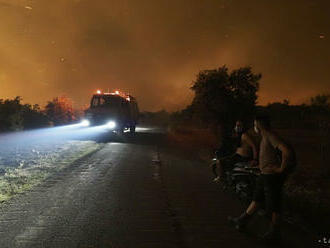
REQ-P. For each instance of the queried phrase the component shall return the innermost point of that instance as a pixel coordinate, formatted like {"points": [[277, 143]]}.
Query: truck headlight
{"points": [[85, 123], [111, 124]]}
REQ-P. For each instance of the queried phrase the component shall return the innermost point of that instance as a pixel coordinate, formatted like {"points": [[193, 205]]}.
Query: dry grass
{"points": [[20, 179]]}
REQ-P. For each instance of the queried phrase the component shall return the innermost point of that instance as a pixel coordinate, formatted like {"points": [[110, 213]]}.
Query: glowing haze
{"points": [[155, 48]]}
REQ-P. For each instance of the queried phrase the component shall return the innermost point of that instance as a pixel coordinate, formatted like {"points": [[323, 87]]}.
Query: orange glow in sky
{"points": [[155, 49]]}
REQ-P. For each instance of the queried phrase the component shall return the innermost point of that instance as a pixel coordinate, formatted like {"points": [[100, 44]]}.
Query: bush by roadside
{"points": [[16, 116]]}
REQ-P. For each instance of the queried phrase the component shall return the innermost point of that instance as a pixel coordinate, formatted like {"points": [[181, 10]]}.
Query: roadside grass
{"points": [[14, 181]]}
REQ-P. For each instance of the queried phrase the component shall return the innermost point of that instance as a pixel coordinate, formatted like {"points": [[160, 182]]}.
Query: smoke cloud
{"points": [[154, 49]]}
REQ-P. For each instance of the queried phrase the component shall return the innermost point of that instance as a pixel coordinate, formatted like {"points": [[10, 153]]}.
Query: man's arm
{"points": [[251, 143], [285, 151]]}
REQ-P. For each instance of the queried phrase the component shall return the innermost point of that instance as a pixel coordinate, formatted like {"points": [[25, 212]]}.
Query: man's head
{"points": [[261, 122], [238, 126]]}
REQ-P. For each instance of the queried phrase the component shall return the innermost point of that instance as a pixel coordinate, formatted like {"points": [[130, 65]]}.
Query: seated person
{"points": [[246, 150]]}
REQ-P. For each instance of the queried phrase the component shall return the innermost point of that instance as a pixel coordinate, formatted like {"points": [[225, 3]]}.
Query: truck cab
{"points": [[118, 111]]}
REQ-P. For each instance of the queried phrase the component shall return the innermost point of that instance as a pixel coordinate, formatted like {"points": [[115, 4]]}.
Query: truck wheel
{"points": [[132, 129]]}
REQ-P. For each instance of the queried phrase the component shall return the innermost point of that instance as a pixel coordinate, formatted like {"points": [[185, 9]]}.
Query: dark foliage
{"points": [[17, 116], [321, 100], [33, 117], [160, 118], [222, 97], [60, 111], [302, 116]]}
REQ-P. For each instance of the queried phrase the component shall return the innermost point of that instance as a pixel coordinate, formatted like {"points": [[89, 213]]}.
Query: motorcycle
{"points": [[241, 179]]}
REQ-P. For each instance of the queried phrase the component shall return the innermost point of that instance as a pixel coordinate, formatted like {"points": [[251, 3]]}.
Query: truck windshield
{"points": [[109, 101], [106, 101]]}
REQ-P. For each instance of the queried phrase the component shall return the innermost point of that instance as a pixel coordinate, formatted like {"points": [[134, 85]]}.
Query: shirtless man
{"points": [[274, 170], [246, 151]]}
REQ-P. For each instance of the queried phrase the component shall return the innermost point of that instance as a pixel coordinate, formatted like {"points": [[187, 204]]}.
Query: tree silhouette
{"points": [[222, 97], [17, 116], [321, 100], [60, 110]]}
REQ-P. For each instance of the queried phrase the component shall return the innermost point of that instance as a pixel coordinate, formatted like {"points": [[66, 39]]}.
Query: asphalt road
{"points": [[135, 191]]}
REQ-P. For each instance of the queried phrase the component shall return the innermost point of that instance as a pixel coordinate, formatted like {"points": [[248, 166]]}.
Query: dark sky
{"points": [[155, 48]]}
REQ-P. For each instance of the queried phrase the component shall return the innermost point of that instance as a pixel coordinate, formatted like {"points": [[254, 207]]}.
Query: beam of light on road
{"points": [[143, 129], [151, 129], [52, 134]]}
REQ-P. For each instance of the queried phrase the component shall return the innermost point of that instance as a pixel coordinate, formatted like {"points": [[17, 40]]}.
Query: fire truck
{"points": [[117, 111]]}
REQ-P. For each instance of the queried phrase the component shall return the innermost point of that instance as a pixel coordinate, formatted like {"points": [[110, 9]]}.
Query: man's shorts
{"points": [[269, 189]]}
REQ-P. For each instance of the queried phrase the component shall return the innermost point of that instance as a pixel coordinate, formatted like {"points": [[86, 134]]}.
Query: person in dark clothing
{"points": [[245, 151], [274, 170]]}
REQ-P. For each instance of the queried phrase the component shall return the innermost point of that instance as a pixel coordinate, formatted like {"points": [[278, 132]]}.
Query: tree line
{"points": [[14, 115], [221, 97]]}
